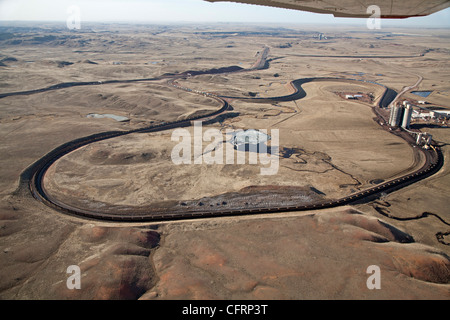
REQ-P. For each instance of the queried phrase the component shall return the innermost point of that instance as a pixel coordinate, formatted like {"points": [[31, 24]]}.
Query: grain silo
{"points": [[407, 116], [395, 117]]}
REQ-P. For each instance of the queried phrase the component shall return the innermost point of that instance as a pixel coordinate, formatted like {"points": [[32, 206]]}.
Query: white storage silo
{"points": [[407, 117], [395, 116]]}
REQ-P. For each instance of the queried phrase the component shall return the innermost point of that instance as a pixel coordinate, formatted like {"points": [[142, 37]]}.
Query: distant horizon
{"points": [[224, 23], [190, 12]]}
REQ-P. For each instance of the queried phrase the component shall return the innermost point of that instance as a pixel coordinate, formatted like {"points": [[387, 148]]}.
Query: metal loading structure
{"points": [[400, 116]]}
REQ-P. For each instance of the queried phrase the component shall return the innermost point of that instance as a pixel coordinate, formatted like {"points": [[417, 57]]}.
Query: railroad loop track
{"points": [[31, 180]]}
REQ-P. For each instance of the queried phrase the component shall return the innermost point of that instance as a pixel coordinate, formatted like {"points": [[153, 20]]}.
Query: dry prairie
{"points": [[296, 255]]}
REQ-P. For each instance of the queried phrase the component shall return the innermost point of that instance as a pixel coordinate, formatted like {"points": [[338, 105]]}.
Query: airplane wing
{"points": [[357, 8]]}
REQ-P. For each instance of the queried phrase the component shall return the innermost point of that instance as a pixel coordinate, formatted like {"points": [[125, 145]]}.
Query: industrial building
{"points": [[432, 114], [353, 96], [401, 115]]}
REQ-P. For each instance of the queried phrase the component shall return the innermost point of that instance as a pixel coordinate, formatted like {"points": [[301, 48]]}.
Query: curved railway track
{"points": [[32, 178]]}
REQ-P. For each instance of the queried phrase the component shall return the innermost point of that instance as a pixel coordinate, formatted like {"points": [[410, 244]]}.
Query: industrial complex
{"points": [[403, 113]]}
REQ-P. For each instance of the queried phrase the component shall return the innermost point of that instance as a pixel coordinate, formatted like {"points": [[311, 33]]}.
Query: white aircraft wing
{"points": [[357, 8]]}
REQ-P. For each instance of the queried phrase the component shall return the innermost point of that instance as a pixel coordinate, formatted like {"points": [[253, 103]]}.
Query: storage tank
{"points": [[391, 115], [407, 117], [395, 116]]}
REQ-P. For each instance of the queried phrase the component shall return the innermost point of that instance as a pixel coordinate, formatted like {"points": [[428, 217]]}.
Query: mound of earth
{"points": [[315, 256]]}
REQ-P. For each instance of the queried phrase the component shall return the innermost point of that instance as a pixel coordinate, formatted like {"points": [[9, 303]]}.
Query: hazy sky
{"points": [[183, 11]]}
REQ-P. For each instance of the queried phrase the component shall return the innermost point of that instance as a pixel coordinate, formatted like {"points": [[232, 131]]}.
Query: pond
{"points": [[423, 94], [251, 141]]}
